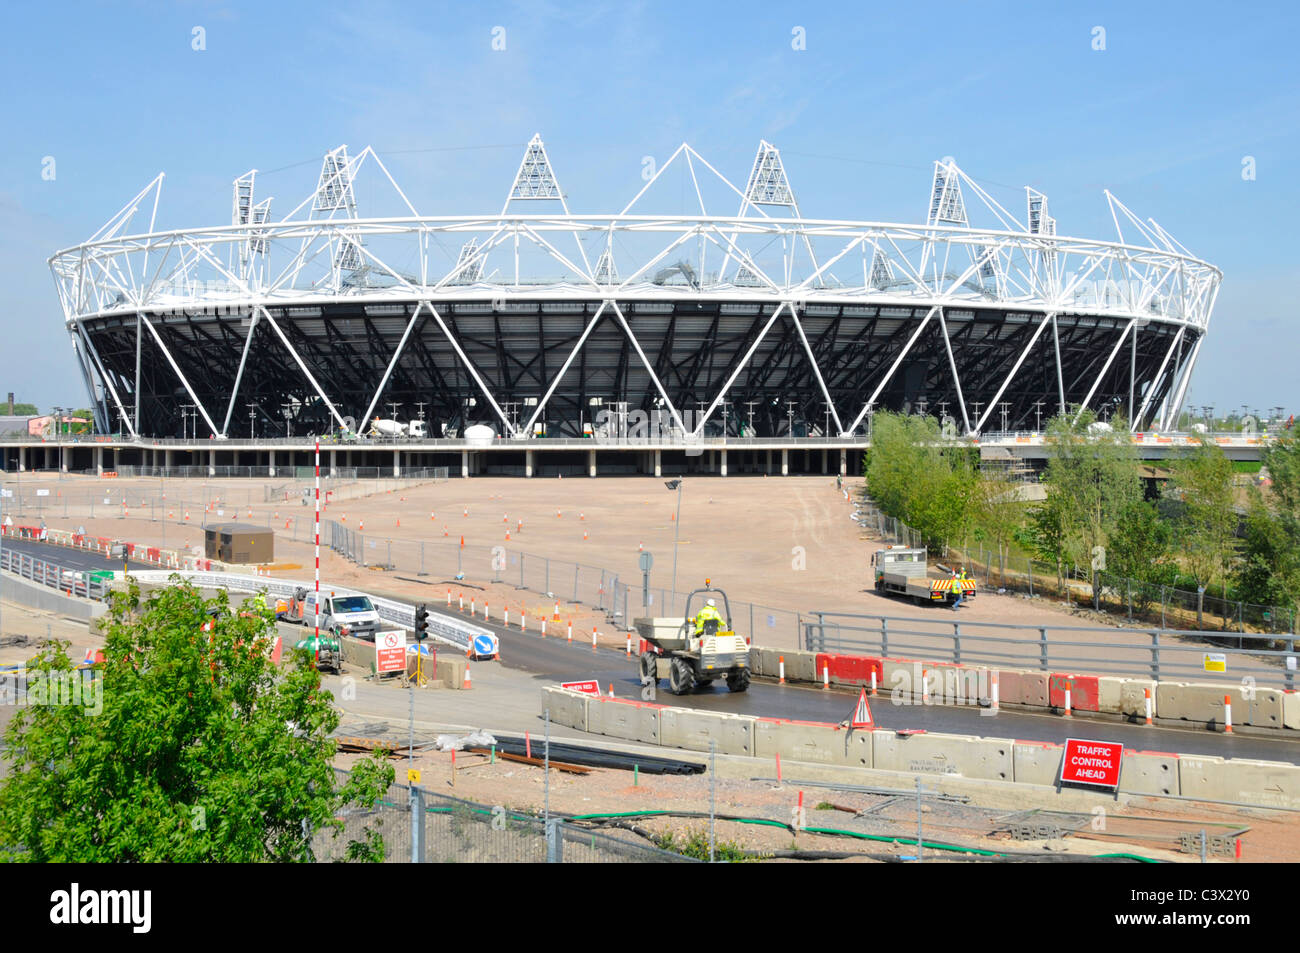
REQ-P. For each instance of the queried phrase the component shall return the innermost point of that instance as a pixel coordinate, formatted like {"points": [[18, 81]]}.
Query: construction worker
{"points": [[708, 613], [958, 578]]}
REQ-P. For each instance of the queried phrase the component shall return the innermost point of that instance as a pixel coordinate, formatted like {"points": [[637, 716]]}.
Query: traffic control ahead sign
{"points": [[1091, 762], [586, 688]]}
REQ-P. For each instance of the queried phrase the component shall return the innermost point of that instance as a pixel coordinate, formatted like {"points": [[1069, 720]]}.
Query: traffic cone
{"points": [[432, 516], [582, 516], [467, 681], [556, 617], [362, 526], [505, 518], [399, 522], [557, 514], [466, 512], [444, 531], [640, 547], [507, 536], [584, 534], [672, 517], [611, 689]]}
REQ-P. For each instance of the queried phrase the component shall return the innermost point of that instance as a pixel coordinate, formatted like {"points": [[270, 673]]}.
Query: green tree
{"points": [[1091, 479], [1269, 572], [918, 476], [999, 511], [1046, 533], [25, 410], [1206, 527], [198, 748], [1140, 549]]}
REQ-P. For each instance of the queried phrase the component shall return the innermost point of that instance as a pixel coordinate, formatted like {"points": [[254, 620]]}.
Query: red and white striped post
{"points": [[1227, 714], [593, 638], [826, 676], [781, 664], [996, 679], [1068, 706], [873, 681], [570, 630], [317, 661], [1147, 701]]}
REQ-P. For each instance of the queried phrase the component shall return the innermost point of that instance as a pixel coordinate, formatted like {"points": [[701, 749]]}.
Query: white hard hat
{"points": [[711, 603]]}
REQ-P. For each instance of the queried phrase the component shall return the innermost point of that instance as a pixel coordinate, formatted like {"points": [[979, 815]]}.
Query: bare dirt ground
{"points": [[781, 542]]}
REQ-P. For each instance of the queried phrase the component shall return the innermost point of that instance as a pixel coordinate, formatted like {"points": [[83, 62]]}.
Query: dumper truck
{"points": [[691, 661], [904, 571]]}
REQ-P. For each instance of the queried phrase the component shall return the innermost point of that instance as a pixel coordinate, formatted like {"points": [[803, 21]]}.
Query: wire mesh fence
{"points": [[420, 826], [1137, 601]]}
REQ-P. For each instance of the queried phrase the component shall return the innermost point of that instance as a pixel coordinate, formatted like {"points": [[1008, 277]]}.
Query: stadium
{"points": [[541, 322]]}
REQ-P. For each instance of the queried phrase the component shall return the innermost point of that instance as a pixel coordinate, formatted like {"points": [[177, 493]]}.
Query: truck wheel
{"points": [[681, 679], [649, 668], [738, 681]]}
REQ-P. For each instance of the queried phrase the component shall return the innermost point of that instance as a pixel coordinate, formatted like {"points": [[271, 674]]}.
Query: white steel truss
{"points": [[256, 265]]}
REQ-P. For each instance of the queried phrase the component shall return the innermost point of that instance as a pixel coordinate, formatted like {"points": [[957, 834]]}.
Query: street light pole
{"points": [[677, 532]]}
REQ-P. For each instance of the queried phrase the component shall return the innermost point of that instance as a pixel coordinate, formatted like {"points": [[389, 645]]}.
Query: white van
{"points": [[353, 615]]}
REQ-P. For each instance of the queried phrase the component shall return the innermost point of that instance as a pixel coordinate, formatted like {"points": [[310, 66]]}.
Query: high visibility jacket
{"points": [[704, 615]]}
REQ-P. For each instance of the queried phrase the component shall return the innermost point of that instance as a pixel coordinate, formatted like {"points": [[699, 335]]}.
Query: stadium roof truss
{"points": [[323, 252]]}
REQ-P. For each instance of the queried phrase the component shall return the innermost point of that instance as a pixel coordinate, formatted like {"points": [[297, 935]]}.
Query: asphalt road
{"points": [[557, 659], [78, 559]]}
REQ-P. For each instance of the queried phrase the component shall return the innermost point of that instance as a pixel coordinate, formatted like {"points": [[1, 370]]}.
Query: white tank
{"points": [[479, 434]]}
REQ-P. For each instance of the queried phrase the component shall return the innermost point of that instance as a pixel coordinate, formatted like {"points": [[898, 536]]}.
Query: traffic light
{"points": [[421, 622]]}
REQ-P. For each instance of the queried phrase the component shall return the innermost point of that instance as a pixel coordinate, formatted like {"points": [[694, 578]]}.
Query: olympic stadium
{"points": [[745, 318]]}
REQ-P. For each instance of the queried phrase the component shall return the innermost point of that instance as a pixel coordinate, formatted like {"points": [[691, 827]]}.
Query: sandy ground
{"points": [[786, 544]]}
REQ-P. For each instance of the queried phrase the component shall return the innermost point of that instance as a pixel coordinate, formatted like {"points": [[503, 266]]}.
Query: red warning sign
{"points": [[1092, 762], [586, 688], [862, 714]]}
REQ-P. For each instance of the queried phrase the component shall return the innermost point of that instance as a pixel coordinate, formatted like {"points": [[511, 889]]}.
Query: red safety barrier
{"points": [[153, 552], [1083, 691], [853, 670]]}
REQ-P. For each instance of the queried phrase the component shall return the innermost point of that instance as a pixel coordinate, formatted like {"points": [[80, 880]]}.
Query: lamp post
{"points": [[677, 532]]}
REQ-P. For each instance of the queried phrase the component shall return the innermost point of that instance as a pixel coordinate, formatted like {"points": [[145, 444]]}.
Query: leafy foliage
{"points": [[1207, 524], [202, 751], [1270, 567], [915, 477]]}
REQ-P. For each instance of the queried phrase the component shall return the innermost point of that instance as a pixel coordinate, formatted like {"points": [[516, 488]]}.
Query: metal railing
{"points": [[1162, 653], [73, 582]]}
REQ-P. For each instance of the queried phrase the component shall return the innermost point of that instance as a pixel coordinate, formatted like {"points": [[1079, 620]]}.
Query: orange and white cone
{"points": [[467, 679]]}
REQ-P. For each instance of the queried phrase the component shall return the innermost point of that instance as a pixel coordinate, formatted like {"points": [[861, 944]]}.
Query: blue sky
{"points": [[1163, 117]]}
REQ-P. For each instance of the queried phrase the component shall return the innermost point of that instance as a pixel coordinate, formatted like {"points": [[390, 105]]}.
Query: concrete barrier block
{"points": [[1036, 762], [1021, 687], [1083, 691], [812, 743], [1266, 783], [963, 755], [1149, 772], [961, 685], [1108, 692], [629, 720], [800, 666], [451, 671], [1132, 697], [1291, 709], [567, 708], [855, 670], [1203, 704], [903, 677], [692, 730]]}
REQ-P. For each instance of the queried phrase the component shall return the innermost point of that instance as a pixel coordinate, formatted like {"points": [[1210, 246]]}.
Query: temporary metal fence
{"points": [[1137, 601], [420, 826], [1163, 653], [448, 562]]}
